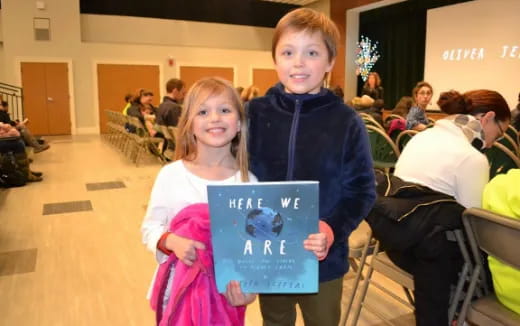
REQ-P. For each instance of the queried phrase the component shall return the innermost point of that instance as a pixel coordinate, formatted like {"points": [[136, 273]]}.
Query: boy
{"points": [[301, 131]]}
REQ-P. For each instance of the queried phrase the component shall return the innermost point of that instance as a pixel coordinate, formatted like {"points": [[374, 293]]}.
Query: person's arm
{"points": [[160, 207], [236, 297], [357, 182], [414, 118], [471, 176]]}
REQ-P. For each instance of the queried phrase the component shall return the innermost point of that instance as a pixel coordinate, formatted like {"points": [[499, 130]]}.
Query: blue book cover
{"points": [[257, 232]]}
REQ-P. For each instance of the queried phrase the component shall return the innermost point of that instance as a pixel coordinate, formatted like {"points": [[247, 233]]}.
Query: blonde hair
{"points": [[309, 20], [200, 92]]}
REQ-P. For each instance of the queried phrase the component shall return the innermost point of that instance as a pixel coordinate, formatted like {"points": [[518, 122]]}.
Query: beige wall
{"points": [[2, 64], [131, 30], [321, 5], [1, 28], [110, 45]]}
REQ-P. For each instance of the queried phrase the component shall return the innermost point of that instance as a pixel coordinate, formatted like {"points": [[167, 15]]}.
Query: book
{"points": [[257, 233]]}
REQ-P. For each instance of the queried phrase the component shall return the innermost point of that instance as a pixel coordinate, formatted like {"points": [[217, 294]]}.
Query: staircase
{"points": [[13, 95]]}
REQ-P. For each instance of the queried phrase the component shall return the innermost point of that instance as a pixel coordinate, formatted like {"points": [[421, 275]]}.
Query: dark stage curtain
{"points": [[400, 30]]}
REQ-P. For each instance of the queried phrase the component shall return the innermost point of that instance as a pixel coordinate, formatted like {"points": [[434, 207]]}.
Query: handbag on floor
{"points": [[10, 173]]}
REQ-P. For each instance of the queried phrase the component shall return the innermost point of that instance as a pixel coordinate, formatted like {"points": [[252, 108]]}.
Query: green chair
{"points": [[370, 121], [392, 117], [384, 152], [513, 133], [510, 143], [501, 159], [143, 142], [404, 137]]}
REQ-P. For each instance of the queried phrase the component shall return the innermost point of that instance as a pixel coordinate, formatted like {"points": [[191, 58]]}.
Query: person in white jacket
{"points": [[448, 158]]}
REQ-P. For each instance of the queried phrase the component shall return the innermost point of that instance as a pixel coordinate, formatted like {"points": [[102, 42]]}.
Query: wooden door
{"points": [[46, 97], [115, 81], [58, 98], [264, 79], [189, 75]]}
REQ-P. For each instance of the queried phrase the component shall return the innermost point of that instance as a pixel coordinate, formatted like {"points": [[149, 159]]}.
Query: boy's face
{"points": [[301, 61]]}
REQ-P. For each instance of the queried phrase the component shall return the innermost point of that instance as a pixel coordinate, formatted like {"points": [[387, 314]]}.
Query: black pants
{"points": [[433, 274], [12, 144]]}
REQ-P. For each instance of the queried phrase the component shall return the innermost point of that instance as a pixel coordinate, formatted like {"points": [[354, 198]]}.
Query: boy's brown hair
{"points": [[311, 21]]}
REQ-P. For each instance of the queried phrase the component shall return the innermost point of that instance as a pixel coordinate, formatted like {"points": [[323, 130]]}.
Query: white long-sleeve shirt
{"points": [[175, 188], [442, 159]]}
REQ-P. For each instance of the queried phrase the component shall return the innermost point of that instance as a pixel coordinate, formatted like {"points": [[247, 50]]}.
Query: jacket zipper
{"points": [[426, 204], [292, 141]]}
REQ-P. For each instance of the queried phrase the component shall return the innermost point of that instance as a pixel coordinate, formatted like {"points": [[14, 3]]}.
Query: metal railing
{"points": [[13, 95]]}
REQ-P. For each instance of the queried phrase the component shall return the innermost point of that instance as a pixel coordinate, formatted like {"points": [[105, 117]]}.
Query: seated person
{"points": [[451, 153], [169, 110], [402, 108], [249, 93], [366, 104], [27, 136], [502, 196], [394, 125], [143, 109], [128, 103], [416, 119], [10, 141], [373, 87]]}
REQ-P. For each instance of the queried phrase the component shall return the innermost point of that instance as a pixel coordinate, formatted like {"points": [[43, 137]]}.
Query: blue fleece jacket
{"points": [[316, 137]]}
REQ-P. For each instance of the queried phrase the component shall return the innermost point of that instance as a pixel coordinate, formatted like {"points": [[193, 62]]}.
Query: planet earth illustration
{"points": [[264, 223]]}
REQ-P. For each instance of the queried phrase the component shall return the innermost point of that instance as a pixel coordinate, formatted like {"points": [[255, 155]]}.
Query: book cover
{"points": [[257, 232]]}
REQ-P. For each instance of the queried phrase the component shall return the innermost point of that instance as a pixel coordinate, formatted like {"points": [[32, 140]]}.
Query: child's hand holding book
{"points": [[236, 297]]}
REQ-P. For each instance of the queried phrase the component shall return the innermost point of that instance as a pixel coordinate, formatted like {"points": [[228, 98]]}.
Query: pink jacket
{"points": [[194, 297], [397, 124]]}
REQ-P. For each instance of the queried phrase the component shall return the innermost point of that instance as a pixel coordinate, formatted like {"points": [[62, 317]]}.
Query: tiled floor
{"points": [[89, 267]]}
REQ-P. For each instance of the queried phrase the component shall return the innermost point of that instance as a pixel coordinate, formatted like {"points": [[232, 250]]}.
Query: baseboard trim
{"points": [[87, 131]]}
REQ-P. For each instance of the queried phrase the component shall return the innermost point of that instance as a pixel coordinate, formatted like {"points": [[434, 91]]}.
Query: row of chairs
{"points": [[505, 153], [503, 156], [495, 234], [135, 145]]}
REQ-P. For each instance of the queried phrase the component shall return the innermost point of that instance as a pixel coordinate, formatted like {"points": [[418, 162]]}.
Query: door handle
{"points": [[50, 99]]}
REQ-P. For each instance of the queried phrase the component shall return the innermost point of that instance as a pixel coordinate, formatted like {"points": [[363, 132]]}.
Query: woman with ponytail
{"points": [[448, 158]]}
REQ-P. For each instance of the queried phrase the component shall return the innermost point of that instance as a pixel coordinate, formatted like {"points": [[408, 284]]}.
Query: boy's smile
{"points": [[301, 61]]}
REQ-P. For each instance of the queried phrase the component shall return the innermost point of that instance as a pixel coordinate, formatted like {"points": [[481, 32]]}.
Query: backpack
{"points": [[10, 173]]}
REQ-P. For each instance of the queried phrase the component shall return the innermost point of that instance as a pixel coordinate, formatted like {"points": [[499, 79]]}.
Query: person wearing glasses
{"points": [[448, 158], [416, 118]]}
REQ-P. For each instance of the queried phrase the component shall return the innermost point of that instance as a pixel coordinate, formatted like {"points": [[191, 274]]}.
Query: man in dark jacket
{"points": [[169, 110]]}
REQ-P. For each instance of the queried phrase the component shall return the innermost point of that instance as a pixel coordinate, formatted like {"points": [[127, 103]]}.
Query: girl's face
{"points": [[423, 97], [215, 123], [372, 81]]}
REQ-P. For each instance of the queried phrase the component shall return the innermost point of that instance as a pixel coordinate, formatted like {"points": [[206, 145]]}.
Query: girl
{"points": [[210, 149]]}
